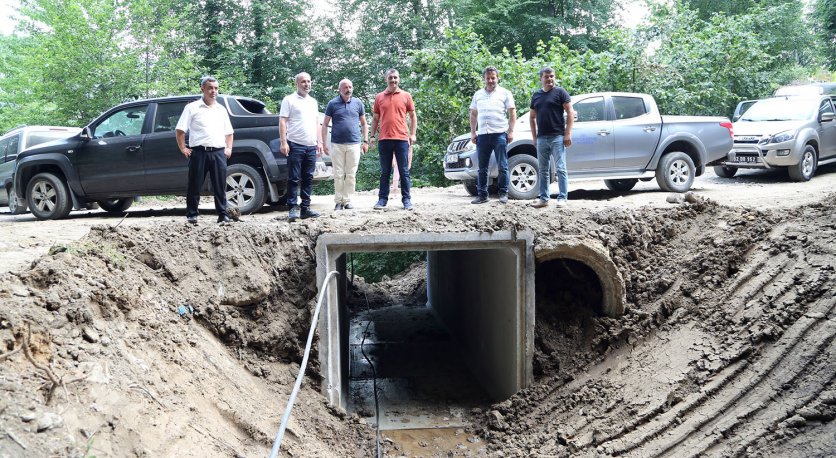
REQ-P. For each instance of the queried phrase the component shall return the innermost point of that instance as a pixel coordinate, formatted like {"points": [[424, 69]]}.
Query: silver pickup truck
{"points": [[797, 133], [619, 137]]}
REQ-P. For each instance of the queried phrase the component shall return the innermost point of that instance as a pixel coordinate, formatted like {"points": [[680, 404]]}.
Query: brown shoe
{"points": [[539, 203]]}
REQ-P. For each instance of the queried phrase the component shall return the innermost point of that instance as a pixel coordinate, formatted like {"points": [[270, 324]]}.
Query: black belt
{"points": [[208, 149]]}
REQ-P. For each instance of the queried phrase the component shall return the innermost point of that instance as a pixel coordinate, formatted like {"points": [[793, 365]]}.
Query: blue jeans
{"points": [[548, 146], [400, 150], [485, 145], [301, 164]]}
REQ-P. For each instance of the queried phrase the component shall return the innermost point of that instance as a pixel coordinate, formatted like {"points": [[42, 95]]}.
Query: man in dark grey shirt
{"points": [[552, 133]]}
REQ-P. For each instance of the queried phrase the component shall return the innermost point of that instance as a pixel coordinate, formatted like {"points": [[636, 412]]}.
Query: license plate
{"points": [[453, 158], [747, 159]]}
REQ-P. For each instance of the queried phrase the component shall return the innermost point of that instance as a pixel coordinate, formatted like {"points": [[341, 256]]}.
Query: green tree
{"points": [[824, 23], [578, 23], [76, 59]]}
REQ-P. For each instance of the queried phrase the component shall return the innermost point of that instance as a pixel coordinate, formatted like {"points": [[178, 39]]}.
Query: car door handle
{"points": [[603, 133], [649, 129], [133, 149]]}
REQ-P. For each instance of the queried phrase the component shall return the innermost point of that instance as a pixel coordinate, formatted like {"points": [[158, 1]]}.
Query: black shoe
{"points": [[308, 213], [223, 219], [191, 219], [338, 207], [348, 207], [479, 200], [293, 214]]}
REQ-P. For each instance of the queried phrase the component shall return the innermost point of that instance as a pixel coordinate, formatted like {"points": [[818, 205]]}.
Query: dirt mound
{"points": [[150, 341]]}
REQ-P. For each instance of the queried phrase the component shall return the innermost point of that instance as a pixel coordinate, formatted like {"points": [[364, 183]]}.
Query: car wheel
{"points": [[48, 197], [116, 206], [725, 171], [522, 170], [470, 187], [806, 167], [620, 185], [14, 208], [245, 188], [675, 172]]}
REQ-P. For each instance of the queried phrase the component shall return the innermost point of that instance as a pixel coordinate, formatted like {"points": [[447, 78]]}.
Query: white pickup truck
{"points": [[793, 132], [619, 137]]}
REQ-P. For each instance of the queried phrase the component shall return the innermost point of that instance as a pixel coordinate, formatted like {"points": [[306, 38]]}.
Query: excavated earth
{"points": [[170, 340]]}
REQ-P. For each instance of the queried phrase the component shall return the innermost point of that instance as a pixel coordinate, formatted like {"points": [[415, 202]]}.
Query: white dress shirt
{"points": [[206, 125]]}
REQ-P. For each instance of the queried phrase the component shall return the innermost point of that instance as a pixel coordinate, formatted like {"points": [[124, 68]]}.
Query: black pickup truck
{"points": [[130, 151]]}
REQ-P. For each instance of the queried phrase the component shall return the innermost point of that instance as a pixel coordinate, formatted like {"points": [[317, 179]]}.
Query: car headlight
{"points": [[780, 137]]}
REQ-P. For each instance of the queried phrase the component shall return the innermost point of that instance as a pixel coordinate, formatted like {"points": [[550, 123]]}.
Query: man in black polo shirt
{"points": [[552, 133]]}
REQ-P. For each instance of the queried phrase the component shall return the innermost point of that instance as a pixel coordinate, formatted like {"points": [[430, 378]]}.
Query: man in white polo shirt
{"points": [[302, 144], [210, 145], [487, 110]]}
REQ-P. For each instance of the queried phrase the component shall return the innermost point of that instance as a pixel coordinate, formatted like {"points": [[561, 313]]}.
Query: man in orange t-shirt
{"points": [[391, 107]]}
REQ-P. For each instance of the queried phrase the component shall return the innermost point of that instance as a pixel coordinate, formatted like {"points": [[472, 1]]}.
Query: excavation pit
{"points": [[469, 342], [480, 293]]}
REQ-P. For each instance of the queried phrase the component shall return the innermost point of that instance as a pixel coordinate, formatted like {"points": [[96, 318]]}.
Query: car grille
{"points": [[747, 139], [459, 145]]}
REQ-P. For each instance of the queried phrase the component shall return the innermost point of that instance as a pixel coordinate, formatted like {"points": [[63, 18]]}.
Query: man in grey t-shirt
{"points": [[487, 111]]}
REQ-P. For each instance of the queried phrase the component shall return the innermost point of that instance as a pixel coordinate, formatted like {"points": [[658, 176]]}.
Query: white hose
{"points": [[286, 417]]}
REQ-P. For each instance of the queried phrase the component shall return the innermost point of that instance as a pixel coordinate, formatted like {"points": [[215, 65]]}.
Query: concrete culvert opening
{"points": [[435, 351], [575, 285]]}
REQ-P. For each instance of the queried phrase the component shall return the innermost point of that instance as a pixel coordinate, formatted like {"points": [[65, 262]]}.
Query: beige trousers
{"points": [[345, 158]]}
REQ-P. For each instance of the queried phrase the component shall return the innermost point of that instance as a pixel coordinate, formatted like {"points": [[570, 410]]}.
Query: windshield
{"points": [[781, 109]]}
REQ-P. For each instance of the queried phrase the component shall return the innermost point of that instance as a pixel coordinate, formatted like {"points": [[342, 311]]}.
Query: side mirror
{"points": [[827, 116], [86, 134]]}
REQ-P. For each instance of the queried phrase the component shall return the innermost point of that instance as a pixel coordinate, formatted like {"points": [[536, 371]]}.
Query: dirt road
{"points": [[25, 238]]}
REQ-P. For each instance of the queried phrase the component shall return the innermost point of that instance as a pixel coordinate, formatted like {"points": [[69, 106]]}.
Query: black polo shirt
{"points": [[550, 113]]}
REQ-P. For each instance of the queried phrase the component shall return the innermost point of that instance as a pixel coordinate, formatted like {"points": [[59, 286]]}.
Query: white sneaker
{"points": [[562, 202]]}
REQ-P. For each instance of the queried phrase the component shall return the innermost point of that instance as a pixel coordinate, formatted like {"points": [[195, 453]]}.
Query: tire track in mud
{"points": [[673, 431]]}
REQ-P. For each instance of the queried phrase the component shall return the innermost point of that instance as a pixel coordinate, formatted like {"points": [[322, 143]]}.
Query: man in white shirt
{"points": [[302, 144], [487, 111], [210, 145]]}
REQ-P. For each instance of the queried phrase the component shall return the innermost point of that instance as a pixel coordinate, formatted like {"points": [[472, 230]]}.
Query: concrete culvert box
{"points": [[480, 289]]}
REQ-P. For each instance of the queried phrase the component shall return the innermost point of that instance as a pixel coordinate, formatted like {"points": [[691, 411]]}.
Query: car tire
{"points": [[524, 178], [48, 197], [470, 187], [725, 171], [245, 189], [14, 208], [620, 185], [675, 172], [806, 167], [116, 206]]}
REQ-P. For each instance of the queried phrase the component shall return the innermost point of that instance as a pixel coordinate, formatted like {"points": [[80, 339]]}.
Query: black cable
{"points": [[374, 377]]}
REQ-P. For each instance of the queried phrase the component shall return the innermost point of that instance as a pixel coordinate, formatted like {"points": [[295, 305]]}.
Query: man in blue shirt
{"points": [[552, 133], [347, 143]]}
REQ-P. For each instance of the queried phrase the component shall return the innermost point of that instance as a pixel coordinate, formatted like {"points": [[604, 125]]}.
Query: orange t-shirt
{"points": [[392, 108]]}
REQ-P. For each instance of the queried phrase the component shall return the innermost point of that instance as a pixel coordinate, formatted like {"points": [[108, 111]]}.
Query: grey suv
{"points": [[796, 133], [15, 141]]}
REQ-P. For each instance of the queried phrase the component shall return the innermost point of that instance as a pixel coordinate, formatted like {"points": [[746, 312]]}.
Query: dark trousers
{"points": [[301, 164], [201, 162], [399, 149], [485, 145]]}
